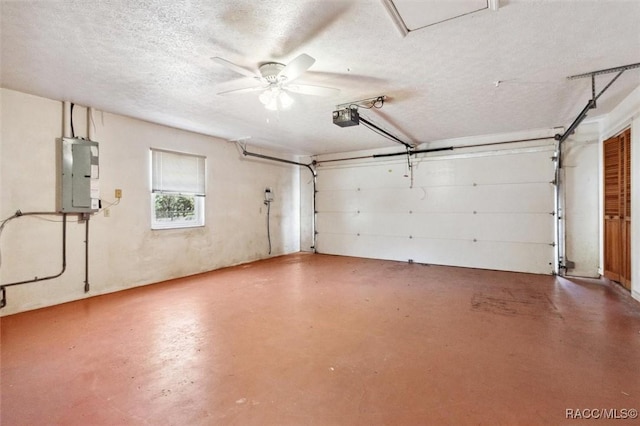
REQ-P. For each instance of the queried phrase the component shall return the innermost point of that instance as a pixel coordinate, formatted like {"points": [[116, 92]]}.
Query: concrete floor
{"points": [[323, 340]]}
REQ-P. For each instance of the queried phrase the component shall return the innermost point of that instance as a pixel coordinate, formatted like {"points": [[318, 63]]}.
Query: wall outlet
{"points": [[106, 212], [118, 193], [268, 195]]}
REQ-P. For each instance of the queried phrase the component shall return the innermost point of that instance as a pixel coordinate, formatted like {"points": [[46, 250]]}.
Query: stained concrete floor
{"points": [[322, 340]]}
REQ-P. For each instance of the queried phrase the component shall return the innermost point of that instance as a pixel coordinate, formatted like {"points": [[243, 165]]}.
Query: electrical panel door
{"points": [[79, 190]]}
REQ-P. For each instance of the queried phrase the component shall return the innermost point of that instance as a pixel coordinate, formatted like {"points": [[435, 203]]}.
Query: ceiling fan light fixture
{"points": [[285, 100], [275, 99]]}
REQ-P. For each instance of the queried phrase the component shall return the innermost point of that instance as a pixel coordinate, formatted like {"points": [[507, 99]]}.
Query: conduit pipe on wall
{"points": [[3, 301], [66, 119], [90, 131], [308, 167], [86, 253], [68, 131]]}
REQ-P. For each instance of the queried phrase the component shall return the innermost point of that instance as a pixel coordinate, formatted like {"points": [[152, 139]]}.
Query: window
{"points": [[177, 189]]}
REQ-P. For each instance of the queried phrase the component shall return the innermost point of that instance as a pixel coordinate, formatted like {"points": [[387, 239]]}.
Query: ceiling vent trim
{"points": [[400, 24]]}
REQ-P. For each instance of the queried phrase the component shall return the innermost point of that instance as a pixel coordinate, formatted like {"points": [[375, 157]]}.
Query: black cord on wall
{"points": [[73, 133], [268, 203]]}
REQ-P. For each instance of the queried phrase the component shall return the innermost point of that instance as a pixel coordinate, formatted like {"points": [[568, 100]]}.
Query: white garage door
{"points": [[491, 210]]}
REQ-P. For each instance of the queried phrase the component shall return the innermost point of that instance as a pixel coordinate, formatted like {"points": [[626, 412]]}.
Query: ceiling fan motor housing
{"points": [[270, 71]]}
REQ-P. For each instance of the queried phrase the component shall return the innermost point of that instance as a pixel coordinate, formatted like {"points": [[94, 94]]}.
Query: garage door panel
{"points": [[506, 168], [487, 255], [399, 225], [337, 223], [393, 175], [514, 198], [485, 211], [524, 228], [464, 253], [370, 246], [336, 200]]}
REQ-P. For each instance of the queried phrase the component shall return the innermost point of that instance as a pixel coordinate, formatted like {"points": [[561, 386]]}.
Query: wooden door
{"points": [[617, 208], [625, 270], [612, 205]]}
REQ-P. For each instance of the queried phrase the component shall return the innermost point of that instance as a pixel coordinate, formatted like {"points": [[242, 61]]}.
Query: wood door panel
{"points": [[617, 208], [612, 181], [625, 273], [625, 210], [612, 249], [626, 174]]}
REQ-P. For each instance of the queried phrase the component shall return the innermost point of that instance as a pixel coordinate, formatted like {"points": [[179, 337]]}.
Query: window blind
{"points": [[175, 172]]}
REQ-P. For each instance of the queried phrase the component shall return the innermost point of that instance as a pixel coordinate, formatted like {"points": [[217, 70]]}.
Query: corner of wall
{"points": [[622, 115]]}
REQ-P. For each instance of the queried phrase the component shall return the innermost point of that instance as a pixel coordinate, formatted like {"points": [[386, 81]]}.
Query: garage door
{"points": [[491, 210]]}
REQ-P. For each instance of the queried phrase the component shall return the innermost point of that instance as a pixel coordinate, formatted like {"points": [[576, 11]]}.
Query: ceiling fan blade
{"points": [[245, 90], [307, 89], [300, 64], [234, 67]]}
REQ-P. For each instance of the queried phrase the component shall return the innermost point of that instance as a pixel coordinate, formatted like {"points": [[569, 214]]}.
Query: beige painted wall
{"points": [[581, 200], [124, 251]]}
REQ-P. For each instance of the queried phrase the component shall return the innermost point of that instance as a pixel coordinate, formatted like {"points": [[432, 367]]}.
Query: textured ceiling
{"points": [[150, 59]]}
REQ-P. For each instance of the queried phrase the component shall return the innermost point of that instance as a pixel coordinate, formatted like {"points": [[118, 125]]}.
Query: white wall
{"points": [[124, 251], [581, 213], [627, 115]]}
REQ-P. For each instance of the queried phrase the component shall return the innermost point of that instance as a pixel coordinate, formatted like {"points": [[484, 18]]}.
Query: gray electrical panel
{"points": [[79, 165]]}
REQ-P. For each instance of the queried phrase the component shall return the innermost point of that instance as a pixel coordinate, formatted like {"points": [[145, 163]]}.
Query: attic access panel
{"points": [[414, 15]]}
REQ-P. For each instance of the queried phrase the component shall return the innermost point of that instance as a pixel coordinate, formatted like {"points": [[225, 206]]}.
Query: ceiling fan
{"points": [[276, 80]]}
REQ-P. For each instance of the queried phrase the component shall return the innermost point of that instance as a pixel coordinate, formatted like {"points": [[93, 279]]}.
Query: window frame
{"points": [[198, 197]]}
